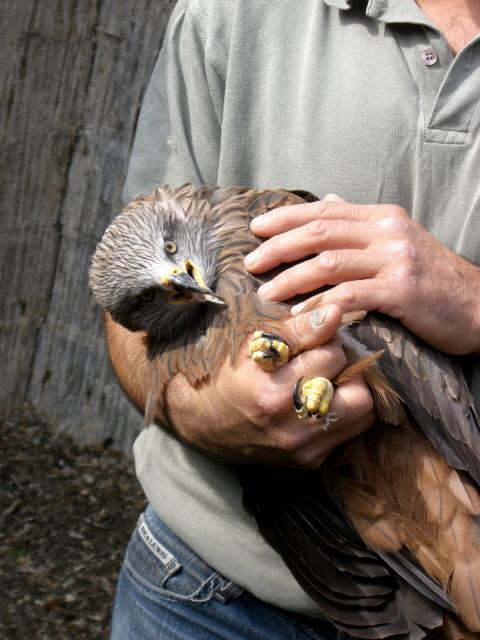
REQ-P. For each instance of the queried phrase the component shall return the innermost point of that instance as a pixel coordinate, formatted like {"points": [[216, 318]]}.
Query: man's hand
{"points": [[379, 259], [247, 415]]}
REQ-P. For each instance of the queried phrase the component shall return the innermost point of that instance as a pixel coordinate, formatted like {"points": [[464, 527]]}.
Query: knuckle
{"points": [[401, 248], [265, 406], [320, 206], [346, 294], [403, 272], [394, 224], [395, 211], [316, 228], [329, 261], [403, 276]]}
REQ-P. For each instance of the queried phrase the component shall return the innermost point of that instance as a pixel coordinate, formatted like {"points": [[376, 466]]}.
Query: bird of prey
{"points": [[385, 536]]}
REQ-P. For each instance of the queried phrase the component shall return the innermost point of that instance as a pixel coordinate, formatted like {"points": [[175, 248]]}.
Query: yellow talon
{"points": [[268, 351], [313, 397], [266, 362]]}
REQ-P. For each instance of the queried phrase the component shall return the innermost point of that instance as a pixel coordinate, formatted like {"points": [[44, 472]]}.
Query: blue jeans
{"points": [[166, 592]]}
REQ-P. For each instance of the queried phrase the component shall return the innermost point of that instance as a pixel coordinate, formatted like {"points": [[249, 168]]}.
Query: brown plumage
{"points": [[385, 536]]}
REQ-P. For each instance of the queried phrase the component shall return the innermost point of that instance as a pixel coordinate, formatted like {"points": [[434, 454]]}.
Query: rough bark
{"points": [[69, 101]]}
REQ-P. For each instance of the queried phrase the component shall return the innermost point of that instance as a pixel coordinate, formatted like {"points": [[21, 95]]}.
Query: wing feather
{"points": [[433, 388]]}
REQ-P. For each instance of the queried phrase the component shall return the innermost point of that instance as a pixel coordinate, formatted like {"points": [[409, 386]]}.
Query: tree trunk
{"points": [[69, 101]]}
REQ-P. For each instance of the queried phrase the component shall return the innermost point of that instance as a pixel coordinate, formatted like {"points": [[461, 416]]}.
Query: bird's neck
{"points": [[181, 323]]}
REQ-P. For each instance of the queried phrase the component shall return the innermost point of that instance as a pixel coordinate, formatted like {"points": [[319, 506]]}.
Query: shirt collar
{"points": [[399, 11]]}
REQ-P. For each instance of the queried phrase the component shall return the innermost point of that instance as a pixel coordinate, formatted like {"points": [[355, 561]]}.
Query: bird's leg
{"points": [[312, 398], [268, 350]]}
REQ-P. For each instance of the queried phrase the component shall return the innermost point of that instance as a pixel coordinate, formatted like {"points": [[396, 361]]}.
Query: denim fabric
{"points": [[165, 591]]}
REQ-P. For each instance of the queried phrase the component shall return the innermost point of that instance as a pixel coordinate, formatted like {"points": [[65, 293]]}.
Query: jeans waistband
{"points": [[157, 557]]}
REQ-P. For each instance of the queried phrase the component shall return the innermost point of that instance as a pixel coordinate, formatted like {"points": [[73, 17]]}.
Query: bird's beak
{"points": [[187, 285]]}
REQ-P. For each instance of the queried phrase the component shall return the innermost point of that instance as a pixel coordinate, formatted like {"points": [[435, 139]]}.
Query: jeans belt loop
{"points": [[227, 591]]}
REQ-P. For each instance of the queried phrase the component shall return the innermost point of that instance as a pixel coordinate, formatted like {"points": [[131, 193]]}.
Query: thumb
{"points": [[312, 329]]}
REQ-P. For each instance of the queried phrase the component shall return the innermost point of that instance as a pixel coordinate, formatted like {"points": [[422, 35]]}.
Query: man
{"points": [[376, 102]]}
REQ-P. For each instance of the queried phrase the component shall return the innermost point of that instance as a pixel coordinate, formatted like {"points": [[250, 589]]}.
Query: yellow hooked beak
{"points": [[186, 284]]}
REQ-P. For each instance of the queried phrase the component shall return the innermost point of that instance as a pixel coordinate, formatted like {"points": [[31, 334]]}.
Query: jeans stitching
{"points": [[164, 593]]}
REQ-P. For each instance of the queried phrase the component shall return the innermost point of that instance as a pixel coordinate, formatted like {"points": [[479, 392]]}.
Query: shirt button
{"points": [[429, 56]]}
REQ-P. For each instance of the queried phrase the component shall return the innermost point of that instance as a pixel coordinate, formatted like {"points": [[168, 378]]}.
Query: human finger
{"points": [[291, 216], [309, 330], [351, 402], [368, 295], [311, 238], [328, 268]]}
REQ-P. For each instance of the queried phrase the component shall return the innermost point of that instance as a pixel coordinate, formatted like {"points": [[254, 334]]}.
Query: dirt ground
{"points": [[66, 515]]}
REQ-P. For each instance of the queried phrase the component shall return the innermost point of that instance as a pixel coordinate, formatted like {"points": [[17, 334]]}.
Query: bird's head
{"points": [[155, 266]]}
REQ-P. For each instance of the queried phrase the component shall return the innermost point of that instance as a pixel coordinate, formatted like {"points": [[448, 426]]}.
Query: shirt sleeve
{"points": [[178, 132]]}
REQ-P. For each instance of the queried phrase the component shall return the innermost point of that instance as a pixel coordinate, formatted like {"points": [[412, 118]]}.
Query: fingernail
{"points": [[297, 308], [258, 222], [251, 258], [318, 316], [264, 290]]}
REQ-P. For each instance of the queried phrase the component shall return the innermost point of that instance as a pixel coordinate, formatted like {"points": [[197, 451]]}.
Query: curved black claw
{"points": [[297, 399], [273, 336]]}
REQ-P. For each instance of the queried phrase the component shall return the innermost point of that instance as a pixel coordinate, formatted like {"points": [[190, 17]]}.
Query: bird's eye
{"points": [[170, 246], [147, 295]]}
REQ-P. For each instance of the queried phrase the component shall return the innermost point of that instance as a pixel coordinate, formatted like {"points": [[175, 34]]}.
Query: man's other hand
{"points": [[376, 258]]}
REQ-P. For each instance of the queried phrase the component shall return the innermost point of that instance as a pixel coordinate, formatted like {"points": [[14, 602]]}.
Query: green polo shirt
{"points": [[362, 99]]}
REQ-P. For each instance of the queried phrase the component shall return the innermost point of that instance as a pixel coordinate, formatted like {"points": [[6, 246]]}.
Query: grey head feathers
{"points": [[152, 235]]}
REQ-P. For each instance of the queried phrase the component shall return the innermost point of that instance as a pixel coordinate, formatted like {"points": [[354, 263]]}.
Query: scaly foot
{"points": [[269, 351], [312, 398]]}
